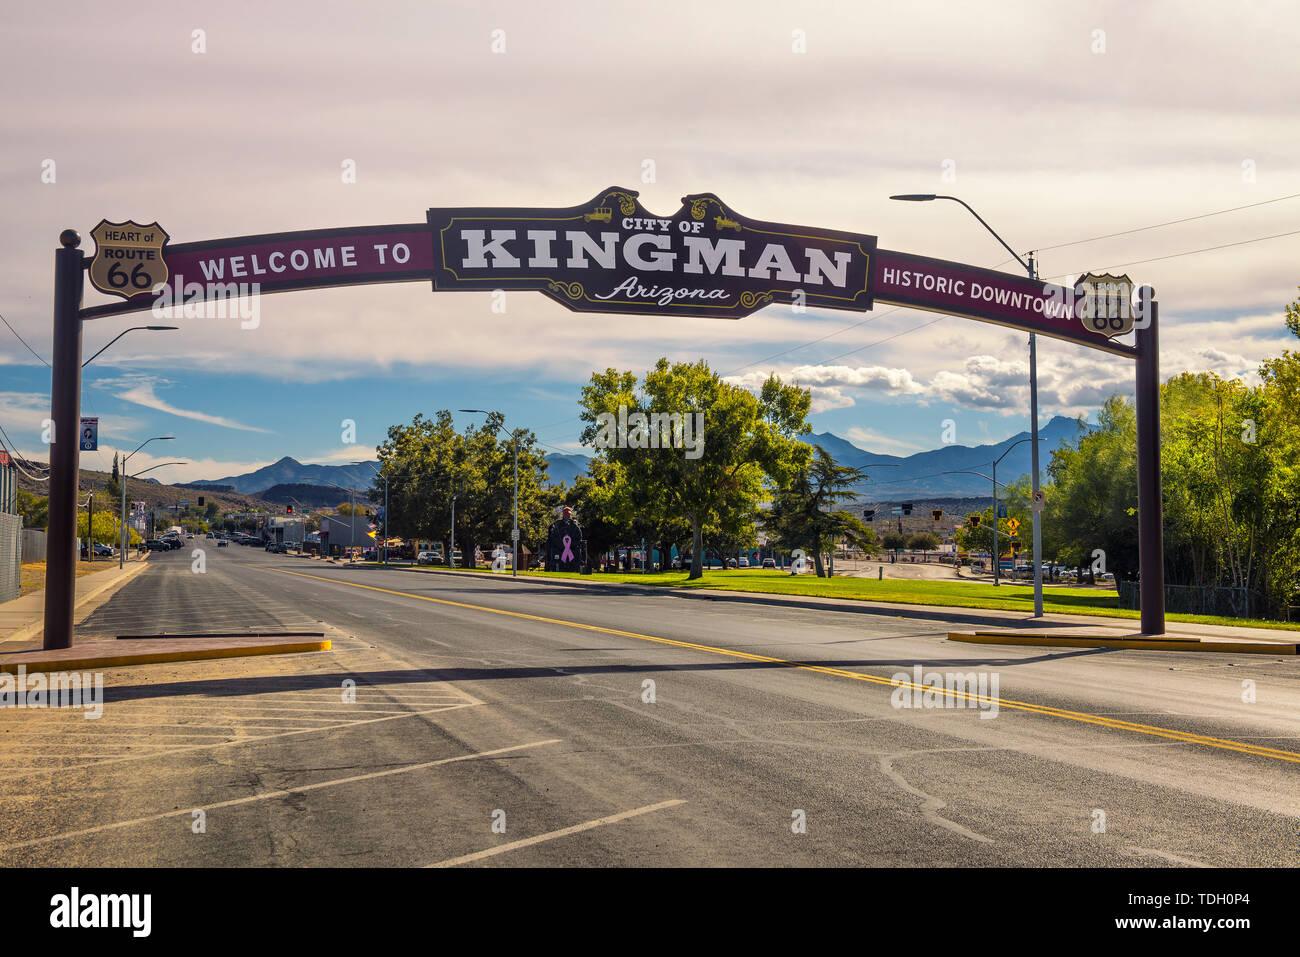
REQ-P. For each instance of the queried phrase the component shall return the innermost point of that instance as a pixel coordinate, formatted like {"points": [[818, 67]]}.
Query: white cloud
{"points": [[873, 441], [142, 394]]}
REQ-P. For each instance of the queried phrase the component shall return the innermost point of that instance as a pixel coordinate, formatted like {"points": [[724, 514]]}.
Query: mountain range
{"points": [[908, 475]]}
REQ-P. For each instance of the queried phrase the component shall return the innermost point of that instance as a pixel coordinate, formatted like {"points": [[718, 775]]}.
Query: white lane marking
{"points": [[276, 794], [1165, 855], [253, 739], [552, 835]]}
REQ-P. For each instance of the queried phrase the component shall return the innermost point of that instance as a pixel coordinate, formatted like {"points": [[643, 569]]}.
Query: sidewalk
{"points": [[982, 618], [24, 618]]}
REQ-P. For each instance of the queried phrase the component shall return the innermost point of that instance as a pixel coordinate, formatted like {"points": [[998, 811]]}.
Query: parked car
{"points": [[744, 562], [157, 545], [731, 563], [769, 563], [222, 543]]}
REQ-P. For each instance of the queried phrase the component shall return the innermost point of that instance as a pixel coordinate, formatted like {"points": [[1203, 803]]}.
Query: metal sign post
{"points": [[65, 411]]}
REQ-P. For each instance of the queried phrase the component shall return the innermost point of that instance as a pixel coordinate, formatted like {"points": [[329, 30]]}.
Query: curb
{"points": [[1139, 644], [36, 627], [160, 657]]}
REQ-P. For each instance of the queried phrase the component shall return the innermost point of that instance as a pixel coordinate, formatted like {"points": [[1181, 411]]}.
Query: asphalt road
{"points": [[510, 723]]}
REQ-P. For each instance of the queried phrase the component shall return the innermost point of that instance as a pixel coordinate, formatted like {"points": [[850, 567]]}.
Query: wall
{"points": [[11, 527], [33, 544]]}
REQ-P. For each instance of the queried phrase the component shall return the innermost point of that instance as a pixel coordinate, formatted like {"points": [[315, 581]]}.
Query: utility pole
{"points": [[451, 551], [65, 410]]}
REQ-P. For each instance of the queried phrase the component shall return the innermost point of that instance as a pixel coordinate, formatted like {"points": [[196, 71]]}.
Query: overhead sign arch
{"points": [[607, 255]]}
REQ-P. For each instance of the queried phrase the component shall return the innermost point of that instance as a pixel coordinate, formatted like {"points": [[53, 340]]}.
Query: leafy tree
{"points": [[115, 481], [894, 541], [428, 462], [804, 515], [35, 509], [924, 542], [748, 443]]}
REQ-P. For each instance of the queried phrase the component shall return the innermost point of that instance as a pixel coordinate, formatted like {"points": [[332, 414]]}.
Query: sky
{"points": [[1058, 122]]}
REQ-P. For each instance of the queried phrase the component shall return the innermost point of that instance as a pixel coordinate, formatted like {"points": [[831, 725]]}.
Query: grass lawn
{"points": [[33, 577], [1057, 599]]}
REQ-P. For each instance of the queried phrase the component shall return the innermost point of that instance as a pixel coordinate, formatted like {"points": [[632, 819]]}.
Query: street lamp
{"points": [[121, 557], [1033, 387], [996, 485], [121, 334], [150, 469], [514, 532], [352, 518], [384, 476], [997, 564]]}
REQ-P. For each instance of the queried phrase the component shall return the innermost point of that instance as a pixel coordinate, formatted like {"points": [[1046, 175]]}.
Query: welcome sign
{"points": [[612, 255]]}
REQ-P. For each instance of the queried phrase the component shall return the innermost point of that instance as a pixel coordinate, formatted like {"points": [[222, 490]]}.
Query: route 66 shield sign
{"points": [[128, 258], [1105, 303]]}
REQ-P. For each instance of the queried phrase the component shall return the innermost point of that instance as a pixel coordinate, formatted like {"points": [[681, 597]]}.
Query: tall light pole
{"points": [[384, 476], [514, 532], [121, 557], [352, 519], [1033, 391], [124, 332], [997, 562], [996, 486]]}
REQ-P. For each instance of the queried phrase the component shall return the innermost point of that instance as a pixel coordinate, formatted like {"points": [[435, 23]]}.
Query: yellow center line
{"points": [[1083, 717]]}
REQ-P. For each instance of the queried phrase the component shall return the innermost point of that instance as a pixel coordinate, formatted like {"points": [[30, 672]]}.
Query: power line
{"points": [[1193, 252], [1172, 222], [16, 457], [879, 341], [21, 339], [872, 318]]}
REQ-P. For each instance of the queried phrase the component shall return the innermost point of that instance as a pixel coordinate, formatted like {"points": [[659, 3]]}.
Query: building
{"points": [[346, 531], [284, 528]]}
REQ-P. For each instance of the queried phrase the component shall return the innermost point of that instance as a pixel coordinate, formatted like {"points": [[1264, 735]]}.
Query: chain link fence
{"points": [[1197, 600]]}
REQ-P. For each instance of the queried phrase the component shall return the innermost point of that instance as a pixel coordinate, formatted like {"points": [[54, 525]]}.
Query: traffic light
{"points": [[907, 509], [288, 510], [868, 513], [200, 501], [936, 514]]}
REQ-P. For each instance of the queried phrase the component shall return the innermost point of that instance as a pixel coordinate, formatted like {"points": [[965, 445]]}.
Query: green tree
{"points": [[894, 541], [803, 515], [924, 542], [748, 443], [428, 462], [35, 509]]}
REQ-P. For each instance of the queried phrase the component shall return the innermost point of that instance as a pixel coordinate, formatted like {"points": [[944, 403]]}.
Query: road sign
{"points": [[1038, 501], [1105, 303], [1013, 526], [128, 258], [936, 514], [974, 521], [612, 255], [89, 435]]}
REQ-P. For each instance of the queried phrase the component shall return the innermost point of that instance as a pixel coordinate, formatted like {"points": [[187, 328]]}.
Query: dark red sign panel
{"points": [[280, 262], [612, 255], [937, 285]]}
